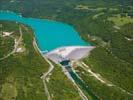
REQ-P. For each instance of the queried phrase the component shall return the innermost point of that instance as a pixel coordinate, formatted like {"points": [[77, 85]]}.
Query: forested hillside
{"points": [[106, 24]]}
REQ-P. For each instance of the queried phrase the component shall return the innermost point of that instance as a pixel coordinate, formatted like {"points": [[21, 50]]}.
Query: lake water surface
{"points": [[49, 34]]}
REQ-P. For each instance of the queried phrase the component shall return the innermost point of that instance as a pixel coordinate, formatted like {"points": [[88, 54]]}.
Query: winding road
{"points": [[15, 46], [100, 78], [44, 76]]}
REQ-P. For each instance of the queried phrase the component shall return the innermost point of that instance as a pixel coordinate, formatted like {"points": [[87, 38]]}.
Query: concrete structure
{"points": [[68, 53]]}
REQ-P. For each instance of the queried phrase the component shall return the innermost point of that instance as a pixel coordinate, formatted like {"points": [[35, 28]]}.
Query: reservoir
{"points": [[49, 34]]}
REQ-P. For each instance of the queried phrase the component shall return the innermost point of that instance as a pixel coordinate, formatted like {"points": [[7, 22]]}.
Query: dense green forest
{"points": [[107, 24], [55, 8]]}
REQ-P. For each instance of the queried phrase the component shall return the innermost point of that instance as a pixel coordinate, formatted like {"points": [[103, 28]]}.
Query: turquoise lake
{"points": [[49, 34]]}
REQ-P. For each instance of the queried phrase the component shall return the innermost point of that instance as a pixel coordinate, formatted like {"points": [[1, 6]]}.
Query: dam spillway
{"points": [[69, 53], [56, 40]]}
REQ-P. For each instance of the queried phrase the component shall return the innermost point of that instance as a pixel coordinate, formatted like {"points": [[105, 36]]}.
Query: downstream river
{"points": [[51, 35]]}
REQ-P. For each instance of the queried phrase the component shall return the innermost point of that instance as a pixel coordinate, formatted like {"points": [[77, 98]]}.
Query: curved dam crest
{"points": [[49, 34]]}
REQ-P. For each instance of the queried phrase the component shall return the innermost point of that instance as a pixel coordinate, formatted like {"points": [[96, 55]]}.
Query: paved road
{"points": [[44, 76]]}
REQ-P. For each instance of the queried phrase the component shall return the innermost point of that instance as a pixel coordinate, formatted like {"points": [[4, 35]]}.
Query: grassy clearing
{"points": [[100, 8], [97, 15], [9, 91], [120, 21], [82, 7], [113, 9]]}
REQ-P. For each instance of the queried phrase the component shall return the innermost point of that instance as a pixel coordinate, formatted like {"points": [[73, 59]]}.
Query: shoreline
{"points": [[21, 16]]}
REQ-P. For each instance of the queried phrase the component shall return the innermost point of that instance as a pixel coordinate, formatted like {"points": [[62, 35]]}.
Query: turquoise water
{"points": [[49, 34]]}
